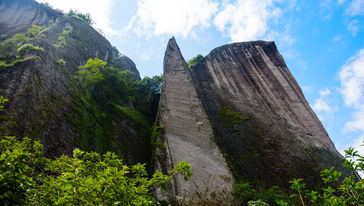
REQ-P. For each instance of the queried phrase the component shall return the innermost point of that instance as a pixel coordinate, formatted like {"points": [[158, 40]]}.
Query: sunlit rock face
{"points": [[282, 137], [187, 133]]}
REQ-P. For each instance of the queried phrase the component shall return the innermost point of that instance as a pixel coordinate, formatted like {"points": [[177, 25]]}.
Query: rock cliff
{"points": [[44, 101], [17, 16], [239, 114], [187, 132], [281, 138]]}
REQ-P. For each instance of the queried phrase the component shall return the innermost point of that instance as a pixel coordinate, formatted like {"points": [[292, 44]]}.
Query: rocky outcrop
{"points": [[16, 16], [41, 87], [282, 137], [188, 133]]}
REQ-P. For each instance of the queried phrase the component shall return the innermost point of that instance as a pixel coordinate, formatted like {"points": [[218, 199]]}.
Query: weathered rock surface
{"points": [[41, 91], [283, 138], [187, 132], [16, 16]]}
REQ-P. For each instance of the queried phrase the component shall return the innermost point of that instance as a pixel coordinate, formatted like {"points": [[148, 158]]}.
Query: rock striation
{"points": [[188, 133], [41, 87], [282, 137], [17, 16]]}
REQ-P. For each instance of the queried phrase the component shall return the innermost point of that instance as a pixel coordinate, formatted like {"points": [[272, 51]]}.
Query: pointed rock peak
{"points": [[172, 46], [173, 59], [172, 41]]}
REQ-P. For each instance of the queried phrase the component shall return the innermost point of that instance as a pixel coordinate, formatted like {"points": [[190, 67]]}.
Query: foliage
{"points": [[34, 31], [109, 84], [246, 192], [19, 162], [349, 191], [85, 18], [104, 95], [156, 139], [147, 93], [231, 120], [195, 60], [91, 72], [61, 63], [257, 203], [28, 178], [2, 101], [132, 114], [63, 37], [115, 52], [16, 48]]}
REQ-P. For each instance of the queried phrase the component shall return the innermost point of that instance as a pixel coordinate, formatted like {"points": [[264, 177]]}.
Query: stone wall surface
{"points": [[282, 138], [187, 131], [41, 88]]}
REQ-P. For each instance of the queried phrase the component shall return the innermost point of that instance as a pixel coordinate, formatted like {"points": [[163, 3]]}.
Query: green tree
{"points": [[86, 18], [90, 74], [33, 31], [195, 60], [86, 178], [349, 191]]}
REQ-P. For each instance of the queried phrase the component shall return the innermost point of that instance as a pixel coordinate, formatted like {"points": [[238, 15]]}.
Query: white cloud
{"points": [[352, 89], [358, 145], [320, 103], [98, 9], [337, 38], [358, 120], [173, 17], [352, 80], [356, 7], [354, 27], [307, 89], [283, 38], [246, 19]]}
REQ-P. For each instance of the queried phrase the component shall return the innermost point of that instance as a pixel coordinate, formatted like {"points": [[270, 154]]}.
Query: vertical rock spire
{"points": [[187, 132]]}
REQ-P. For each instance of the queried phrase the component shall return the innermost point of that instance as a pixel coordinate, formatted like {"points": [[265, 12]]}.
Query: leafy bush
{"points": [[14, 49], [231, 120], [246, 192], [257, 203], [63, 37], [2, 101], [34, 31], [195, 60], [86, 18], [27, 177], [349, 191], [104, 95], [91, 73]]}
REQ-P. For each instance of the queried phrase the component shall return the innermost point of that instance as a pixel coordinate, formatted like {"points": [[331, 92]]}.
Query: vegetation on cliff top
{"points": [[104, 95], [195, 60], [20, 47]]}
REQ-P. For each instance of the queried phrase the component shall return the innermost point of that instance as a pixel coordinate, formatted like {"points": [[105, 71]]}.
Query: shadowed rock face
{"points": [[282, 138], [41, 90], [187, 131], [16, 16]]}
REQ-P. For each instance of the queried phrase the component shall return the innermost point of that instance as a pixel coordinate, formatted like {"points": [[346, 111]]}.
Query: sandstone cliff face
{"points": [[282, 138], [17, 16], [187, 132], [41, 90]]}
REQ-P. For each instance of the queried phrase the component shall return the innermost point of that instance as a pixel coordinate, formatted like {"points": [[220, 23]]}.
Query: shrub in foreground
{"points": [[86, 178]]}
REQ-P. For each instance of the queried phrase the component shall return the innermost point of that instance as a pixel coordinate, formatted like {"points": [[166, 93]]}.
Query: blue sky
{"points": [[322, 42]]}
